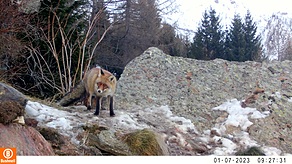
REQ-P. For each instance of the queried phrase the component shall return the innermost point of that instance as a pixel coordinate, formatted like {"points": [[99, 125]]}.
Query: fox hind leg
{"points": [[89, 100]]}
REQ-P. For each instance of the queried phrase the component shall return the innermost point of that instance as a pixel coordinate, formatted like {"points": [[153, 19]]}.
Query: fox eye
{"points": [[111, 78]]}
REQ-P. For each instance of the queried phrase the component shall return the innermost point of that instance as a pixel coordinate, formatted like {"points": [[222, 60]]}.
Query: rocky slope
{"points": [[182, 107]]}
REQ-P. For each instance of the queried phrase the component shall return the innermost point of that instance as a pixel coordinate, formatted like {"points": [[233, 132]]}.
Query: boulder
{"points": [[139, 142], [146, 142], [27, 140], [108, 142], [192, 88], [12, 104]]}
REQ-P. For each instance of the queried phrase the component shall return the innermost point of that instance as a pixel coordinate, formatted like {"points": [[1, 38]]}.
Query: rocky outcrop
{"points": [[12, 104], [196, 107], [191, 88], [26, 139], [140, 142]]}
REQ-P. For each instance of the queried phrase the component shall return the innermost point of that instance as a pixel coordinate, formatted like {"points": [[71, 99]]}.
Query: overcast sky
{"points": [[190, 11]]}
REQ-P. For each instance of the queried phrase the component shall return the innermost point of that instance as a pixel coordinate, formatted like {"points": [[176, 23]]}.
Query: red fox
{"points": [[100, 83]]}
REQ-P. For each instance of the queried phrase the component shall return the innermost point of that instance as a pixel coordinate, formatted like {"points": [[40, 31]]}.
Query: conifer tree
{"points": [[241, 42], [200, 40], [227, 45], [208, 40], [217, 37], [253, 41], [235, 42], [170, 42]]}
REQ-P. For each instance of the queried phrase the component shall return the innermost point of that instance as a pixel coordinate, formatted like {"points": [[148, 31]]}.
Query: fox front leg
{"points": [[98, 105], [111, 105]]}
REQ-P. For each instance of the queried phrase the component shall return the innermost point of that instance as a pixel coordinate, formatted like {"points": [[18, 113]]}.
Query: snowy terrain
{"points": [[162, 120], [269, 15]]}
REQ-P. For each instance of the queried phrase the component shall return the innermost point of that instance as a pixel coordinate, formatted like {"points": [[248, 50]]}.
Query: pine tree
{"points": [[208, 40], [197, 47], [241, 42], [235, 43], [253, 41], [227, 45], [200, 40], [137, 29], [217, 37]]}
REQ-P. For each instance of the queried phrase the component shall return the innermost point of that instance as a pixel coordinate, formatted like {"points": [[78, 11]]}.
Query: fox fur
{"points": [[100, 83]]}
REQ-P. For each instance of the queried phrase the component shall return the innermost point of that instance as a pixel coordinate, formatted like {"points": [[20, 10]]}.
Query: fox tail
{"points": [[78, 93]]}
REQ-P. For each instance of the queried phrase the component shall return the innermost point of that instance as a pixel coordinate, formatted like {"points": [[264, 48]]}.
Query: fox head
{"points": [[101, 87], [106, 82]]}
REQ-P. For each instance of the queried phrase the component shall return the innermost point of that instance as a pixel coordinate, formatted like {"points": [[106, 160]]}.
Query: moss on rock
{"points": [[144, 142]]}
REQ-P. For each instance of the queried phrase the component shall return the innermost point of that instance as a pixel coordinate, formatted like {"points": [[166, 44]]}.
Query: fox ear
{"points": [[101, 71]]}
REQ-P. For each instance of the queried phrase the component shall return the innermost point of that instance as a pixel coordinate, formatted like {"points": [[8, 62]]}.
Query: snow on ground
{"points": [[230, 143], [49, 115], [65, 122], [161, 119], [237, 117]]}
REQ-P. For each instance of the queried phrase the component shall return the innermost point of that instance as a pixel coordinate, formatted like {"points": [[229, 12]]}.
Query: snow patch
{"points": [[51, 117], [153, 115], [238, 116], [271, 151], [227, 149], [126, 121]]}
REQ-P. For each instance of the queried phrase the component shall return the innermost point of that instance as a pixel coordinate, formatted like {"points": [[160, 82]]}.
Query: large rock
{"points": [[140, 142], [26, 139], [12, 104], [108, 141], [191, 88]]}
